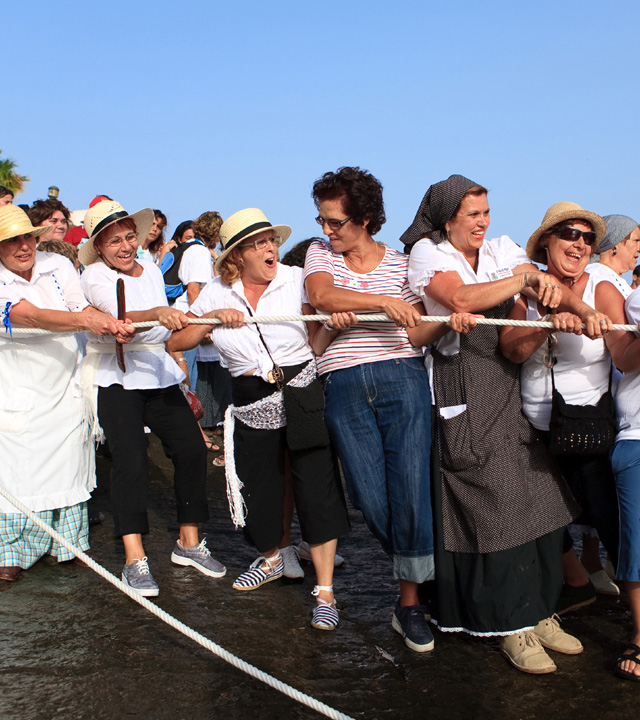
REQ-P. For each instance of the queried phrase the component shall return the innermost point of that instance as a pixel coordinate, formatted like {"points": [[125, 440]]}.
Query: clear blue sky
{"points": [[193, 106]]}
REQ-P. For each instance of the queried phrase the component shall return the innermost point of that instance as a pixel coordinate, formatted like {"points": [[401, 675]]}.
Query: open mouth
{"points": [[270, 262]]}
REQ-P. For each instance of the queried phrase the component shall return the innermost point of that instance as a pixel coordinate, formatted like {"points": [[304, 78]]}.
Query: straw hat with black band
{"points": [[104, 214], [559, 213], [245, 224], [14, 222]]}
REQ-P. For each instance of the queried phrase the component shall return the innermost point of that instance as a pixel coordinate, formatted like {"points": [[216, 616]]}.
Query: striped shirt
{"points": [[364, 342]]}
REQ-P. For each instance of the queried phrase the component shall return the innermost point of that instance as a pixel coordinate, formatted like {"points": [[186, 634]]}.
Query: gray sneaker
{"points": [[198, 557], [292, 567], [138, 578]]}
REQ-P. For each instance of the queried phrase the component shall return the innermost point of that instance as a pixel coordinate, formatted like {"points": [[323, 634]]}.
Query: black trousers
{"points": [[259, 457], [123, 415]]}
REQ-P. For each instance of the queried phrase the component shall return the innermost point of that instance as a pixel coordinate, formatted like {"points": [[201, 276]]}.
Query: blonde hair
{"points": [[232, 266]]}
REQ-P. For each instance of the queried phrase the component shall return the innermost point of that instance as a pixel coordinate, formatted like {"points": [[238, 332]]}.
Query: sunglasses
{"points": [[569, 233], [333, 224]]}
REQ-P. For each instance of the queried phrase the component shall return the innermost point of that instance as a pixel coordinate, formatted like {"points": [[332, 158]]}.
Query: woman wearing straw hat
{"points": [[580, 368], [273, 374], [500, 508], [45, 440], [144, 390]]}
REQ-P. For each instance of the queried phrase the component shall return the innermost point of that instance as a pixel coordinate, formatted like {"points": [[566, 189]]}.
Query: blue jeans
{"points": [[625, 463], [379, 419]]}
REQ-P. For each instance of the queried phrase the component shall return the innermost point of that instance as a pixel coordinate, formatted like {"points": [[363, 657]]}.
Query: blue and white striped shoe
{"points": [[325, 615], [256, 576]]}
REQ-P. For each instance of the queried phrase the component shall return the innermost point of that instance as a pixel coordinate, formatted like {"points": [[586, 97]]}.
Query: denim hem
{"points": [[414, 569]]}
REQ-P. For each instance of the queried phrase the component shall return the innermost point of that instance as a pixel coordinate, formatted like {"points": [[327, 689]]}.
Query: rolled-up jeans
{"points": [[379, 419]]}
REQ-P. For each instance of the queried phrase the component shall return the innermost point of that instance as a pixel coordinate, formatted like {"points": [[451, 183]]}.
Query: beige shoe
{"points": [[552, 636], [525, 653], [604, 584]]}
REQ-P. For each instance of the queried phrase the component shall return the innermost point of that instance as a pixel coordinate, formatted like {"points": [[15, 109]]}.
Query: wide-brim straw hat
{"points": [[14, 221], [245, 224], [104, 214], [560, 212]]}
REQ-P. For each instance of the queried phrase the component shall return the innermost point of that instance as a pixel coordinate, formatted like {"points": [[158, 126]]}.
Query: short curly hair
{"points": [[298, 253], [42, 210], [207, 228], [360, 192], [61, 248]]}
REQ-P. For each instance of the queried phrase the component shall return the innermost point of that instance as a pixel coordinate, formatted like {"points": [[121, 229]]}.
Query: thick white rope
{"points": [[228, 657], [370, 317]]}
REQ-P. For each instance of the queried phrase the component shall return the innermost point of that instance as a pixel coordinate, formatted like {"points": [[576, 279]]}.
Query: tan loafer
{"points": [[524, 652]]}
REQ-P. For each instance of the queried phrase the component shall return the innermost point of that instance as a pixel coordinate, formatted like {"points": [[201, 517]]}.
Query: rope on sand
{"points": [[363, 317], [176, 624]]}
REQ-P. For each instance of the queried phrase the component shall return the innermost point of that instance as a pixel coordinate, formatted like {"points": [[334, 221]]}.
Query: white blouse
{"points": [[496, 260], [241, 348], [628, 393], [146, 369]]}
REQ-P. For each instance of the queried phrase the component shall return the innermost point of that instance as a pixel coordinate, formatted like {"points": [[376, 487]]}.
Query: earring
{"points": [[615, 251]]}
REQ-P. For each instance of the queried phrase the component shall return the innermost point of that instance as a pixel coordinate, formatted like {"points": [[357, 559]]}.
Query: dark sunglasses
{"points": [[569, 233], [333, 224]]}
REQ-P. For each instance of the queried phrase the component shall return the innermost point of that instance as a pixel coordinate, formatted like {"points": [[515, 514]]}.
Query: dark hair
{"points": [[207, 228], [636, 271], [42, 210], [360, 192], [298, 253], [5, 191], [159, 241], [181, 230]]}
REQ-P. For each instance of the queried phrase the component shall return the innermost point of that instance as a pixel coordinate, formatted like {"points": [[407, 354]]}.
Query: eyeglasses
{"points": [[549, 359], [130, 238], [260, 244], [333, 224], [569, 233]]}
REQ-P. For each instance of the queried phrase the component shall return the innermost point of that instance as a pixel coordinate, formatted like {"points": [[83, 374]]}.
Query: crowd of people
{"points": [[470, 449]]}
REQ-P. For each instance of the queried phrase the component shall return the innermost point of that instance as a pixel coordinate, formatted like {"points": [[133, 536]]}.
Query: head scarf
{"points": [[436, 209], [618, 227]]}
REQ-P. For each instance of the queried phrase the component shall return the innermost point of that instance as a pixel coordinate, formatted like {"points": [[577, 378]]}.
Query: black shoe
{"points": [[572, 597], [410, 622]]}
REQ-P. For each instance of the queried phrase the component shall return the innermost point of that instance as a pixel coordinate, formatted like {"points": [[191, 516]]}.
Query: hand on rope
{"points": [[463, 323]]}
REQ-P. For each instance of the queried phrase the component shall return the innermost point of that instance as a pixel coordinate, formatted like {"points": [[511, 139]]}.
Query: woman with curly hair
{"points": [[378, 408]]}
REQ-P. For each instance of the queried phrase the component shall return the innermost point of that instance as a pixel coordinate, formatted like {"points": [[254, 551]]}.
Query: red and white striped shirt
{"points": [[364, 342]]}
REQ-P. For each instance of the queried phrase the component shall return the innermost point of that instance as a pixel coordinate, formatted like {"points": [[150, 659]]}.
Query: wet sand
{"points": [[75, 647]]}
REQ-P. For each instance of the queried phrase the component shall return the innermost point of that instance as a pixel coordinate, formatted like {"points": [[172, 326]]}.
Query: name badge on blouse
{"points": [[500, 273]]}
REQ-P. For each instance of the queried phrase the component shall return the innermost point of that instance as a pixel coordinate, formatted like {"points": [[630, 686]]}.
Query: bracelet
{"points": [[181, 359], [526, 283], [329, 327]]}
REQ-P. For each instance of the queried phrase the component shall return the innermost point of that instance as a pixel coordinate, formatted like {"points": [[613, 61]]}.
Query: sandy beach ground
{"points": [[73, 646]]}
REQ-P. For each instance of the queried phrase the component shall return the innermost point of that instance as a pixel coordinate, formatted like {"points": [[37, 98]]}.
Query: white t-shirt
{"points": [[146, 370], [241, 348], [628, 393], [364, 342], [581, 373], [604, 272], [195, 266], [496, 260]]}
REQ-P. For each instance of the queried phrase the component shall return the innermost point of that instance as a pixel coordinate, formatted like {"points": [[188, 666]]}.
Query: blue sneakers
{"points": [[199, 556], [138, 578], [411, 623]]}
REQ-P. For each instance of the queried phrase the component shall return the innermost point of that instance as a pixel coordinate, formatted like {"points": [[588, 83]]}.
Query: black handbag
{"points": [[304, 408], [585, 430]]}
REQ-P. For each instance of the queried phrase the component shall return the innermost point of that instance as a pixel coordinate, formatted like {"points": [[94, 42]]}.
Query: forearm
{"points": [[427, 333], [187, 338], [330, 299], [193, 290], [25, 314], [478, 297], [519, 344]]}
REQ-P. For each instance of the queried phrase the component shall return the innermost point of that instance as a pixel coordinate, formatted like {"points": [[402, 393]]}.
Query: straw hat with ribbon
{"points": [[245, 224], [556, 214], [14, 221], [104, 214]]}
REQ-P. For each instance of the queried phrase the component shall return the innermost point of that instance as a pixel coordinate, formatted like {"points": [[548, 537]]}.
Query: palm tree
{"points": [[10, 178]]}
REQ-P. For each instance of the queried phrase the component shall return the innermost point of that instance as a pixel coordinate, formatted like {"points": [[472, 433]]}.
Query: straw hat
{"points": [[556, 214], [14, 221], [104, 214], [245, 224]]}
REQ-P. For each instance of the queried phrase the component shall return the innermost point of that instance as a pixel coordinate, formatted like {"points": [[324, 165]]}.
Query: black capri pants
{"points": [[260, 462], [123, 415]]}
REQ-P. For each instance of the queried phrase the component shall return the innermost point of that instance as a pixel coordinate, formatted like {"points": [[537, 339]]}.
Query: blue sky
{"points": [[198, 106]]}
